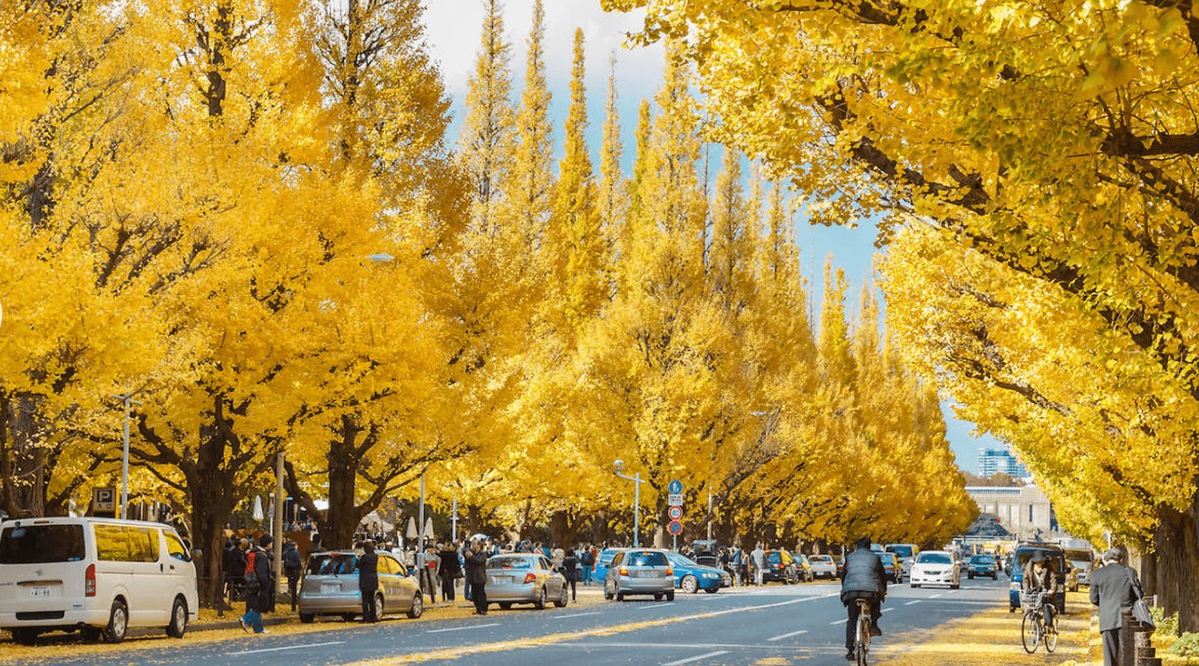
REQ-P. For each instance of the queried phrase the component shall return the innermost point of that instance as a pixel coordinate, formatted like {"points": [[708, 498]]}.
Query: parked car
{"points": [[601, 563], [640, 571], [97, 576], [525, 578], [936, 567], [330, 587], [982, 566], [840, 560], [906, 552], [691, 576], [823, 566], [706, 552], [781, 566], [1057, 562], [891, 566]]}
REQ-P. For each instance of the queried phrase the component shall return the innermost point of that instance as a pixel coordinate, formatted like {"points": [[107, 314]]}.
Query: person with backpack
{"points": [[258, 585], [291, 568]]}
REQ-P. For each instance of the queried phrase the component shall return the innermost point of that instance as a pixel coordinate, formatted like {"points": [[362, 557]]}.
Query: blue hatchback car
{"points": [[601, 563], [1057, 562], [691, 577]]}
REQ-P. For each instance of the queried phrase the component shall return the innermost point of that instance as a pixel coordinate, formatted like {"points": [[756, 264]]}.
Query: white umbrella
{"points": [[412, 528], [429, 527], [257, 508]]}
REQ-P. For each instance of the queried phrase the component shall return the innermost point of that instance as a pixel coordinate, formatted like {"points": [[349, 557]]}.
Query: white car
{"points": [[823, 566], [936, 567], [97, 576]]}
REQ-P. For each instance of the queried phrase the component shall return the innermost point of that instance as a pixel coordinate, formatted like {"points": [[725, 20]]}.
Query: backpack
{"points": [[252, 582]]}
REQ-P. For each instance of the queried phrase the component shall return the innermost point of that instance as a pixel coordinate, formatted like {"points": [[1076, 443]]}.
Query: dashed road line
{"points": [[288, 647], [788, 635], [563, 617], [469, 626], [699, 657]]}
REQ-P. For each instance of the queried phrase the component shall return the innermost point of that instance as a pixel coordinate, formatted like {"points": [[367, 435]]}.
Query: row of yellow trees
{"points": [[245, 213], [1036, 167]]}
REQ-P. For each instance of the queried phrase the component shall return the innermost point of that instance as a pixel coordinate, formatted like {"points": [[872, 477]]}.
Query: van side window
{"points": [[112, 543], [175, 548], [149, 536]]}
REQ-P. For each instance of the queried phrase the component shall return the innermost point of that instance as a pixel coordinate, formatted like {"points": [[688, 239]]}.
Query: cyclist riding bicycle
{"points": [[1039, 577], [866, 579]]}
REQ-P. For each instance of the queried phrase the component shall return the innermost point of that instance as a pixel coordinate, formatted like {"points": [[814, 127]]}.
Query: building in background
{"points": [[1001, 461], [1024, 511]]}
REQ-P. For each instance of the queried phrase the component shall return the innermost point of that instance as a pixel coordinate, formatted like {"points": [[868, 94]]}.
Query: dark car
{"points": [[781, 567], [983, 566], [891, 566], [1057, 562]]}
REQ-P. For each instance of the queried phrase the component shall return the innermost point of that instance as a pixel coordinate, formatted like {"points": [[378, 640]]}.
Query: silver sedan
{"points": [[640, 571], [330, 587], [524, 578]]}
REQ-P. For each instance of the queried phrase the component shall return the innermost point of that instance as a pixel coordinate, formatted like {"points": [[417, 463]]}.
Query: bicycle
{"points": [[861, 648], [1033, 630]]}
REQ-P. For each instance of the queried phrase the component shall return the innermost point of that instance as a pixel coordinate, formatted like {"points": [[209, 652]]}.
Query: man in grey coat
{"points": [[865, 578], [1113, 588]]}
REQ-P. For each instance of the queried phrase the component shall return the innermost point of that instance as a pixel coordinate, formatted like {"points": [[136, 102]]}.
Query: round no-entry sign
{"points": [[675, 528], [676, 512]]}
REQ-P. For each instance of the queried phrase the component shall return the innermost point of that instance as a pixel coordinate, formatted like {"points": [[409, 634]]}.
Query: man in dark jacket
{"points": [[865, 578], [368, 581], [476, 576], [291, 568], [1039, 576], [259, 583], [449, 571], [1113, 588], [570, 569]]}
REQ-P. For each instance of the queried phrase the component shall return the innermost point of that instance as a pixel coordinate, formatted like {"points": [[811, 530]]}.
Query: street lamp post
{"points": [[636, 479], [128, 401]]}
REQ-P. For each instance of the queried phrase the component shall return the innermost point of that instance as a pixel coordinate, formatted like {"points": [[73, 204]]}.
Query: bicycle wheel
{"points": [[1050, 638], [1030, 631], [862, 649]]}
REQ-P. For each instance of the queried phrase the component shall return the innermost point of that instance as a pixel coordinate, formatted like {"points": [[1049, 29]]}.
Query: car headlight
{"points": [[712, 575], [1014, 586]]}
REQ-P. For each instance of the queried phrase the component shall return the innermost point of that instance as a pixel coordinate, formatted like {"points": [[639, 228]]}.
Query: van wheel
{"points": [[178, 623], [118, 622], [418, 606], [307, 618], [25, 636]]}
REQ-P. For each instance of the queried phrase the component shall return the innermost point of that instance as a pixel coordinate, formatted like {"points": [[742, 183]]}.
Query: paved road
{"points": [[800, 624]]}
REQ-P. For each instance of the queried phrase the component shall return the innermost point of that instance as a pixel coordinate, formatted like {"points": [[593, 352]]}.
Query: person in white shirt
{"points": [[759, 560]]}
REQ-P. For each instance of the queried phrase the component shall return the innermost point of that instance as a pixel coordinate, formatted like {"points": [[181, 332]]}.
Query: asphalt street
{"points": [[799, 623]]}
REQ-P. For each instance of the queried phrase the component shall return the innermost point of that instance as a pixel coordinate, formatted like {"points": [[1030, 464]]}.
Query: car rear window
{"points": [[607, 555], [510, 563], [331, 565], [772, 558], [646, 560], [41, 544], [902, 551], [934, 558], [822, 559]]}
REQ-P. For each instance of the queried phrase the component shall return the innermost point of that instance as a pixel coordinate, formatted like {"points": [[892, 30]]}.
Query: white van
{"points": [[96, 575]]}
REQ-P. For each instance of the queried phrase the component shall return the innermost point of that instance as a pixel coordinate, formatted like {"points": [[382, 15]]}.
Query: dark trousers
{"points": [[851, 627], [447, 588], [369, 611], [292, 582], [572, 588], [478, 594], [1111, 647]]}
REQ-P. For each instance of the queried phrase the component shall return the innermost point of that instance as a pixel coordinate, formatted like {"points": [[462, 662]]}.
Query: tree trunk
{"points": [[343, 515], [210, 488], [1176, 550]]}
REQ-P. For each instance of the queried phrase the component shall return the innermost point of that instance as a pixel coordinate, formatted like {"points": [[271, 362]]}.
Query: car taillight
{"points": [[669, 572], [624, 571], [529, 578], [89, 581]]}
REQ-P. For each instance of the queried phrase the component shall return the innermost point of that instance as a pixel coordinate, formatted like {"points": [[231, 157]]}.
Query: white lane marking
{"points": [[840, 621], [886, 609], [912, 602], [287, 647], [700, 657], [782, 636], [563, 617], [669, 603], [935, 596], [469, 626]]}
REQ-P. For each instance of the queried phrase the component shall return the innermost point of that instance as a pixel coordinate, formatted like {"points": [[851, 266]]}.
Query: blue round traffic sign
{"points": [[675, 487], [675, 528]]}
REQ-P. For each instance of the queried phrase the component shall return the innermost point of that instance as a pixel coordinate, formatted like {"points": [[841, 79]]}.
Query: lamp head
{"points": [[619, 465]]}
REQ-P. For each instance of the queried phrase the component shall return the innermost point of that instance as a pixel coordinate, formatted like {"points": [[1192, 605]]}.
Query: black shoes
{"points": [[875, 631]]}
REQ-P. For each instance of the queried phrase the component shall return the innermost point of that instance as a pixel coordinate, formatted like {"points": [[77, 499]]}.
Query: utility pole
{"points": [[129, 402], [709, 514], [636, 479], [454, 522], [278, 519]]}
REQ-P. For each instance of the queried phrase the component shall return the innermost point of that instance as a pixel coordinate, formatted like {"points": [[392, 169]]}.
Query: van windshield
{"points": [[41, 544]]}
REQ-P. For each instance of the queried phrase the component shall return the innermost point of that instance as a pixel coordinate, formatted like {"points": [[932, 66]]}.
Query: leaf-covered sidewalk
{"points": [[990, 637]]}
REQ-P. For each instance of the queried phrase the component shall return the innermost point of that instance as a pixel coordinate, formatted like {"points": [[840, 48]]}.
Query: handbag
{"points": [[1140, 609]]}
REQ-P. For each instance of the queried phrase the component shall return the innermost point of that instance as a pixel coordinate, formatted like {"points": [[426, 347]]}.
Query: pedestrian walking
{"points": [[570, 569], [291, 568], [476, 576], [258, 583], [1114, 587], [449, 571], [587, 562], [432, 569], [759, 562], [738, 559], [368, 581]]}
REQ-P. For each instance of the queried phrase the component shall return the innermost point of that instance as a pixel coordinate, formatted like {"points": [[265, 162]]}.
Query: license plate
{"points": [[330, 589], [40, 592], [501, 579], [647, 574]]}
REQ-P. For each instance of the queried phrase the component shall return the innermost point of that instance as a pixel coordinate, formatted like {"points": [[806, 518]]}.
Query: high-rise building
{"points": [[1000, 461]]}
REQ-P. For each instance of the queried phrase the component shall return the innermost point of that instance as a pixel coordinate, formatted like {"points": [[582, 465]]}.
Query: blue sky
{"points": [[453, 35]]}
